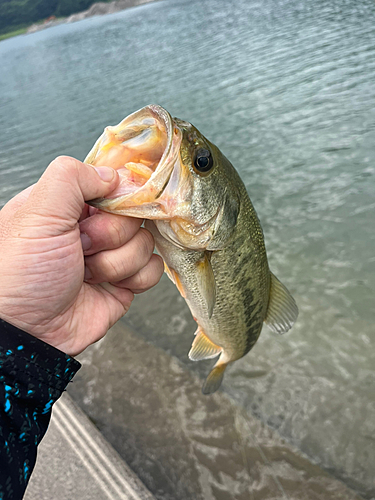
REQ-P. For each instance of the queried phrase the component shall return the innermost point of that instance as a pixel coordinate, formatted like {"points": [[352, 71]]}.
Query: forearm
{"points": [[33, 375]]}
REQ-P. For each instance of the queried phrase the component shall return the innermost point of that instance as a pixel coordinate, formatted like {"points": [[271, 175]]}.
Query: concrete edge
{"points": [[102, 462]]}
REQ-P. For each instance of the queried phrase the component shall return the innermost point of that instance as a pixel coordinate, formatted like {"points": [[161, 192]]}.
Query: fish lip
{"points": [[163, 115], [160, 177]]}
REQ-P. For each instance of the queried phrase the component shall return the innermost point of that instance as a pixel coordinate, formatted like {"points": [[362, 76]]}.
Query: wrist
{"points": [[40, 358], [33, 331]]}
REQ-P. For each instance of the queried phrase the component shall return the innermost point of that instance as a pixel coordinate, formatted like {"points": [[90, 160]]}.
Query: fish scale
{"points": [[205, 229]]}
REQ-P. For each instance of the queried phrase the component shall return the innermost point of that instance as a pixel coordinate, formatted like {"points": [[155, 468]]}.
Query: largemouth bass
{"points": [[205, 229]]}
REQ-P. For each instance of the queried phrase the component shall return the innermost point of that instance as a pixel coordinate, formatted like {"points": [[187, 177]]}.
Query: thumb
{"points": [[61, 192]]}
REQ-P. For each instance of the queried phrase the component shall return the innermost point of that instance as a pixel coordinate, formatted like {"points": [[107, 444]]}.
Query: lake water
{"points": [[286, 90]]}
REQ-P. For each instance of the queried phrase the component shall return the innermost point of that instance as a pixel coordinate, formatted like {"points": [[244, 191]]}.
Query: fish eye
{"points": [[203, 160]]}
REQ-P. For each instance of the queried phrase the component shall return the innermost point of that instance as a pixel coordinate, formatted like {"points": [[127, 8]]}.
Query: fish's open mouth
{"points": [[143, 149]]}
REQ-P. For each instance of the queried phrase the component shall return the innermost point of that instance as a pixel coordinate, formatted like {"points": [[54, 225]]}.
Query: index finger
{"points": [[105, 231]]}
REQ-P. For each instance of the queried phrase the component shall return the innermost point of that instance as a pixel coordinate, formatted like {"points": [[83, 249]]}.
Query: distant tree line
{"points": [[18, 13]]}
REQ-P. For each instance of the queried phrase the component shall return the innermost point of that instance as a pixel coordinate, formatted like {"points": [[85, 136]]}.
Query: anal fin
{"points": [[203, 348], [282, 309]]}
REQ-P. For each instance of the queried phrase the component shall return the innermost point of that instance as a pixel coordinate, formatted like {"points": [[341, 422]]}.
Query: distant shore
{"points": [[97, 9]]}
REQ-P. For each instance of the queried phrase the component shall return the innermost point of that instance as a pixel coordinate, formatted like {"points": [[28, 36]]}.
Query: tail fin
{"points": [[214, 379]]}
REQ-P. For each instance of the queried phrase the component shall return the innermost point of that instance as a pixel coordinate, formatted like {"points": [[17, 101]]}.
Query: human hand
{"points": [[50, 241]]}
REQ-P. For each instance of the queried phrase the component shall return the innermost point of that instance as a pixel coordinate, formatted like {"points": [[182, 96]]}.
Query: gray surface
{"points": [[184, 445], [75, 461]]}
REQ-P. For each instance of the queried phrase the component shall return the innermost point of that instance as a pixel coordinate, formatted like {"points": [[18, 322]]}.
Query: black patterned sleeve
{"points": [[33, 376]]}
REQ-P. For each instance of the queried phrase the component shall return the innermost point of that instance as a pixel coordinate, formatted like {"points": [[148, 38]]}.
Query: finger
{"points": [[114, 303], [93, 210], [119, 301], [85, 213], [61, 192], [88, 211], [146, 278], [120, 263], [105, 231], [124, 296]]}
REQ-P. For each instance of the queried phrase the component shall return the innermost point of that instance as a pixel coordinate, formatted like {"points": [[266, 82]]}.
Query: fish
{"points": [[205, 229]]}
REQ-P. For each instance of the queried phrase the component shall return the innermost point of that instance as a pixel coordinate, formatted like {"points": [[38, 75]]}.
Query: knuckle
{"points": [[146, 242], [117, 233], [64, 166], [142, 282], [159, 267], [111, 270], [150, 275], [102, 266], [60, 161]]}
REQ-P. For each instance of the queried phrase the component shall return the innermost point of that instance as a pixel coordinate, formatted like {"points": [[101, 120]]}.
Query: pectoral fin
{"points": [[203, 347], [169, 273], [206, 282], [282, 310], [174, 277]]}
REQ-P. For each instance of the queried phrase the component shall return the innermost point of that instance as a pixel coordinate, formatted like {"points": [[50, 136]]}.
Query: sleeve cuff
{"points": [[36, 359], [33, 375]]}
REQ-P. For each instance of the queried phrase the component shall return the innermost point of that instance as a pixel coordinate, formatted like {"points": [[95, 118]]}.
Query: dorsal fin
{"points": [[282, 309], [203, 348]]}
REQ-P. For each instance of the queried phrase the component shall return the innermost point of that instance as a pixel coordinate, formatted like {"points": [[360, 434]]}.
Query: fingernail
{"points": [[105, 173], [88, 274], [86, 242]]}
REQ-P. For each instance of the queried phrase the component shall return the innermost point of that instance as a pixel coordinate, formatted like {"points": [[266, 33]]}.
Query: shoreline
{"points": [[13, 33], [96, 9]]}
